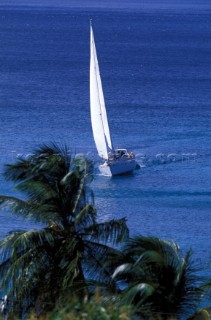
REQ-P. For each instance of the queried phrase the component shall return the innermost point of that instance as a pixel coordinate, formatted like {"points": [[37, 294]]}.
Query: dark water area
{"points": [[156, 73], [112, 4]]}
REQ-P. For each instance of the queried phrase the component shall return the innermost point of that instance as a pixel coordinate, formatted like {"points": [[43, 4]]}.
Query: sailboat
{"points": [[116, 161]]}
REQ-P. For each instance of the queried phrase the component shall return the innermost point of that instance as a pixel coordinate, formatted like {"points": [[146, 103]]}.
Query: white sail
{"points": [[97, 104]]}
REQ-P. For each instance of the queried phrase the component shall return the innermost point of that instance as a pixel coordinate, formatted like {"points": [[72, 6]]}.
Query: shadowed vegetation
{"points": [[55, 270], [39, 267], [154, 277]]}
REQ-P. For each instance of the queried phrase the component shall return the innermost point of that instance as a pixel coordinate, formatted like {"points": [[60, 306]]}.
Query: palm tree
{"points": [[153, 276], [38, 267]]}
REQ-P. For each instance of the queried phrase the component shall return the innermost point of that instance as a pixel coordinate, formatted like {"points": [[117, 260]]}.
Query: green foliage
{"points": [[40, 267], [157, 279], [68, 257], [96, 308]]}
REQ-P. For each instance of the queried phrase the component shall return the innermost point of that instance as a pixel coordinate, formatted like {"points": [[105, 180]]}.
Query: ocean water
{"points": [[156, 73]]}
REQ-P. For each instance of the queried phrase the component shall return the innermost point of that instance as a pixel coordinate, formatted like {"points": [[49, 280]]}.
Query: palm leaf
{"points": [[141, 290], [12, 202], [113, 231], [19, 171], [72, 271], [94, 261], [87, 216], [126, 270], [150, 257], [33, 239]]}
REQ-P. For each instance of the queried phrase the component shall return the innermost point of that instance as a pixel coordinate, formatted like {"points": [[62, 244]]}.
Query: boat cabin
{"points": [[120, 152]]}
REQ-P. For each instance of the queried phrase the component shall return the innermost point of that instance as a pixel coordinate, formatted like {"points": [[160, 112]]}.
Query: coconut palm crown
{"points": [[38, 267], [156, 278]]}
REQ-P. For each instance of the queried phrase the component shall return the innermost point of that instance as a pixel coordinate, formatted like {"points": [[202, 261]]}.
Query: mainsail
{"points": [[99, 119]]}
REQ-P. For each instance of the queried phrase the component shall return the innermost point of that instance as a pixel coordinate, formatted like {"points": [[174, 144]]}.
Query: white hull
{"points": [[118, 167]]}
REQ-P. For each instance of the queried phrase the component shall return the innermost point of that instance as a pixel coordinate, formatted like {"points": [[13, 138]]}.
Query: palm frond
{"points": [[22, 288], [43, 211], [33, 239], [206, 287], [19, 171], [94, 262], [7, 243], [149, 257], [72, 271], [142, 291], [79, 193], [52, 157], [86, 217], [18, 243], [66, 252], [37, 190], [58, 152], [74, 180], [12, 202], [113, 231], [188, 289], [123, 270], [140, 244], [177, 288]]}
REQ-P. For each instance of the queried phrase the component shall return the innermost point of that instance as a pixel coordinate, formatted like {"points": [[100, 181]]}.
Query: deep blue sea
{"points": [[156, 71]]}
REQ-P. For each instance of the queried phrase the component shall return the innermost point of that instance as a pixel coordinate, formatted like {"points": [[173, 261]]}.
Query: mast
{"points": [[99, 119]]}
